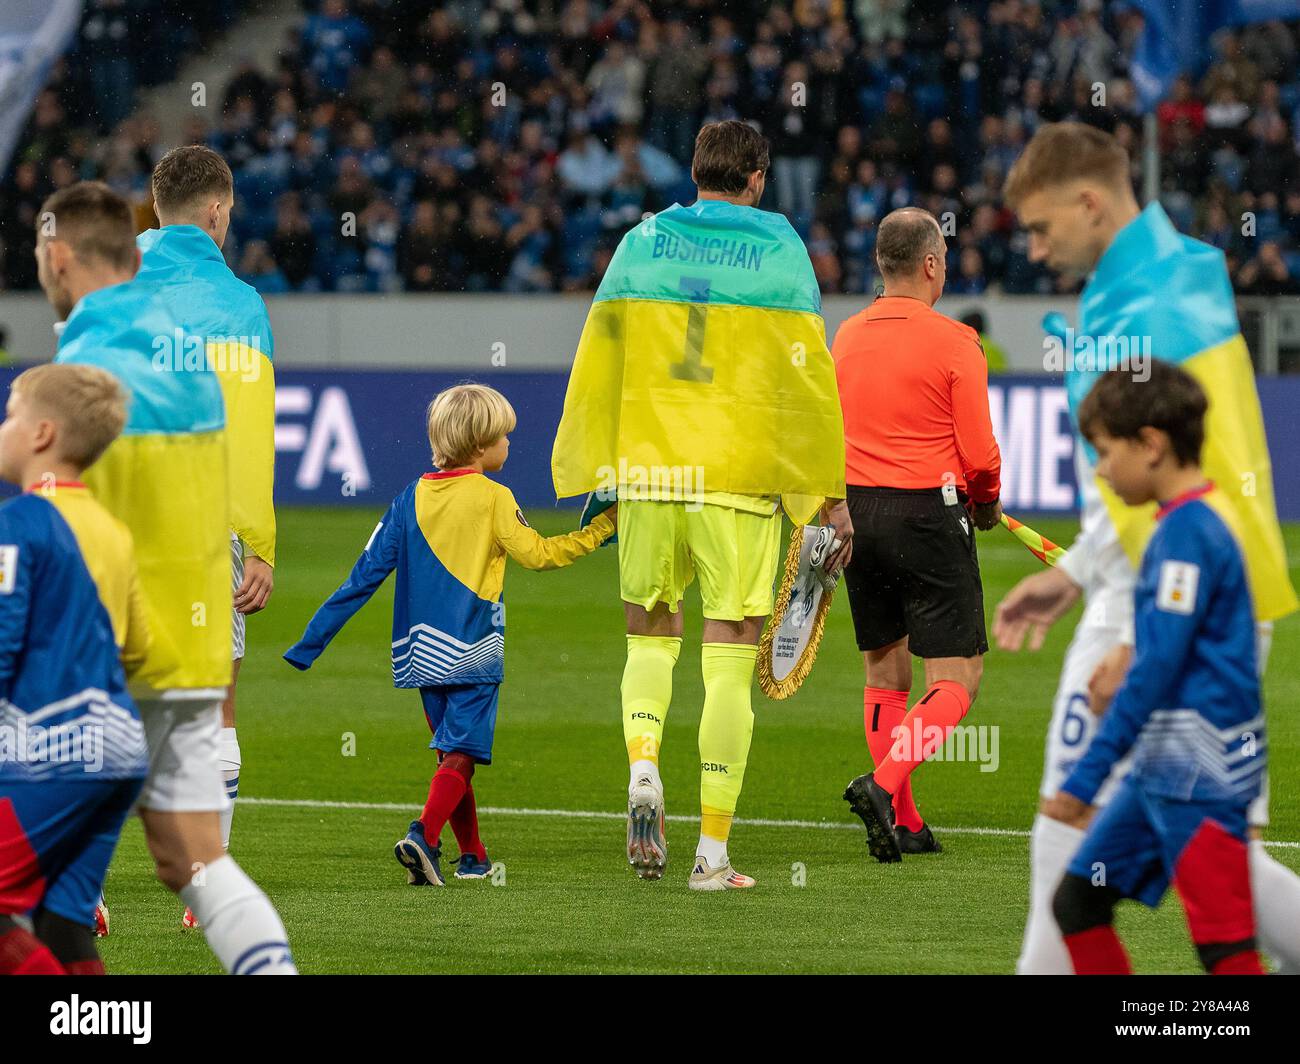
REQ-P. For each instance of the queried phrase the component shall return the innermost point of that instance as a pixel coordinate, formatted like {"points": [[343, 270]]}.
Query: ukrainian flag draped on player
{"points": [[705, 350], [1153, 283], [185, 266], [165, 478]]}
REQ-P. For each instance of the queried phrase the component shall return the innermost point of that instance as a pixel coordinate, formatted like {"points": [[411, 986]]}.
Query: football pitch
{"points": [[336, 764]]}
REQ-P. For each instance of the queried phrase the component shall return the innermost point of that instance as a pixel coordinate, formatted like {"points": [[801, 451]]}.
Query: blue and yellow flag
{"points": [[165, 478], [1161, 294], [184, 266], [704, 356]]}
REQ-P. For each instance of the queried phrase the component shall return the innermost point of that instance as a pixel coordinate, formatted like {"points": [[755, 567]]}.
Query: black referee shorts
{"points": [[914, 573]]}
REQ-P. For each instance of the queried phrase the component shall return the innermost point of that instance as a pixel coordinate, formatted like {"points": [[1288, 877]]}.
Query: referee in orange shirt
{"points": [[923, 466]]}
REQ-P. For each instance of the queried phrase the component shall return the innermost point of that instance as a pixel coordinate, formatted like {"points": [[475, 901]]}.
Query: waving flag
{"points": [[33, 34], [1176, 36], [704, 359]]}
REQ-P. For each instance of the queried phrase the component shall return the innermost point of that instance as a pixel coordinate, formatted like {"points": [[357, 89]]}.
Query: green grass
{"points": [[568, 902]]}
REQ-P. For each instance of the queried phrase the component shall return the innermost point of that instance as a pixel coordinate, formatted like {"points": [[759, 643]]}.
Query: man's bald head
{"points": [[903, 239]]}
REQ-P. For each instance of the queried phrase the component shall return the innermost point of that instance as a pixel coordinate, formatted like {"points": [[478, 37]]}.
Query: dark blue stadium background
{"points": [[507, 144], [388, 410], [366, 429]]}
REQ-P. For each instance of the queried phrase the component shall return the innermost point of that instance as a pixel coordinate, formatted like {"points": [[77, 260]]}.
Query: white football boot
{"points": [[706, 877], [647, 848]]}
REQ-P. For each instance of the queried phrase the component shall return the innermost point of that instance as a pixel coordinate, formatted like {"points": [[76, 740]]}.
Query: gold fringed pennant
{"points": [[789, 644]]}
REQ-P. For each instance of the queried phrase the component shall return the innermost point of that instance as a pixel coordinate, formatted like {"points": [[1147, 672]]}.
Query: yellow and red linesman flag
{"points": [[1043, 548]]}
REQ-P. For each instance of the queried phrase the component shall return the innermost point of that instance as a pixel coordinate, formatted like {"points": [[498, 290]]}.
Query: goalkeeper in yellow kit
{"points": [[703, 395]]}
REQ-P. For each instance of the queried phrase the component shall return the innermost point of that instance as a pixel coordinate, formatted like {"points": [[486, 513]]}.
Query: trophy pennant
{"points": [[789, 644]]}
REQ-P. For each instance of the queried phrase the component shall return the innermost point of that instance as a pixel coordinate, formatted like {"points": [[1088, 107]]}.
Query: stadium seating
{"points": [[526, 137]]}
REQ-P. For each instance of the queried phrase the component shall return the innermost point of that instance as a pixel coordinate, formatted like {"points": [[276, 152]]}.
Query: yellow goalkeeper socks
{"points": [[726, 728], [647, 691]]}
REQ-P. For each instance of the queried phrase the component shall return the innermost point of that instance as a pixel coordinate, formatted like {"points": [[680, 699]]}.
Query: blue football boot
{"points": [[419, 858]]}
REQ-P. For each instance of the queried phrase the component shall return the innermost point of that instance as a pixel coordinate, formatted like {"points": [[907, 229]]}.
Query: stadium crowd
{"points": [[507, 144]]}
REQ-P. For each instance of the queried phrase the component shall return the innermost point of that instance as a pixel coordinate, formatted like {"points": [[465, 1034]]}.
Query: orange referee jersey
{"points": [[914, 390]]}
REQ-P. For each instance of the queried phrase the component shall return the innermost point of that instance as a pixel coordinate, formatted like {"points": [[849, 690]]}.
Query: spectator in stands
{"points": [[293, 244], [534, 242], [381, 228], [248, 83], [1181, 105], [379, 87], [676, 90], [352, 193], [894, 137], [1271, 48], [881, 20], [334, 44], [585, 167], [1226, 115], [22, 203], [905, 102], [1273, 164], [484, 249], [1267, 274], [1232, 71], [1183, 174], [105, 45], [257, 267], [795, 143], [420, 254], [616, 83], [822, 252], [969, 279]]}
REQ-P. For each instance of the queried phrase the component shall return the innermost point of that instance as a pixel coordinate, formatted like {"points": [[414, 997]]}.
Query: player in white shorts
{"points": [[227, 745], [1072, 190], [166, 479], [191, 186]]}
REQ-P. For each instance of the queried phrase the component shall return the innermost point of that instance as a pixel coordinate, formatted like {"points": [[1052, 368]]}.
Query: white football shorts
{"points": [[183, 735], [1073, 724]]}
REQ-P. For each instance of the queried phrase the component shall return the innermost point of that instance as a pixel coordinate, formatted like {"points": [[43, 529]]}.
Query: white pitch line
{"points": [[595, 814]]}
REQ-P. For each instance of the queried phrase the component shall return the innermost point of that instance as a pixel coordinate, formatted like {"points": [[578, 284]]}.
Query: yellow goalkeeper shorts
{"points": [[662, 546]]}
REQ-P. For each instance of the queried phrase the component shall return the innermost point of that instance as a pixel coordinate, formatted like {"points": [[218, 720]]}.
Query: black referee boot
{"points": [[876, 808], [922, 841]]}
